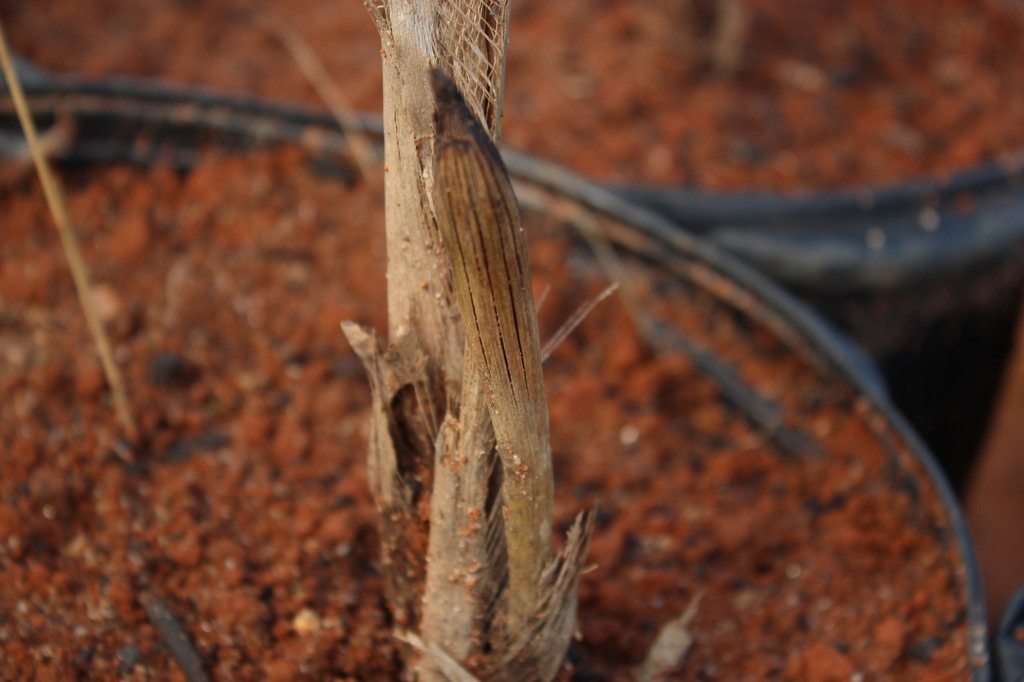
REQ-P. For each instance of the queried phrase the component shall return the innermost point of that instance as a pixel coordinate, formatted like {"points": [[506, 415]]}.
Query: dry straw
{"points": [[327, 89], [55, 201]]}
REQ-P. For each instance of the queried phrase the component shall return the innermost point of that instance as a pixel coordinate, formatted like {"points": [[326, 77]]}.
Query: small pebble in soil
{"points": [[166, 369], [130, 657], [181, 450], [89, 382], [306, 622], [821, 662], [107, 302], [742, 151], [924, 649]]}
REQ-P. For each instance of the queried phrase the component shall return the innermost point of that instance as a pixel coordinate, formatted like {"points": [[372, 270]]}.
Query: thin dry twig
{"points": [[55, 200], [671, 644], [583, 221], [437, 656], [327, 89], [177, 640], [732, 25], [574, 320]]}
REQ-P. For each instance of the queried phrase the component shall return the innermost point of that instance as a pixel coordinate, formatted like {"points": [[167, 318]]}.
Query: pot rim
{"points": [[880, 237], [877, 239]]}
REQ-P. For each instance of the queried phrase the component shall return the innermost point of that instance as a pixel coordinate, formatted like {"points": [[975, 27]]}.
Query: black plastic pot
{"points": [[130, 120], [926, 275], [1010, 641]]}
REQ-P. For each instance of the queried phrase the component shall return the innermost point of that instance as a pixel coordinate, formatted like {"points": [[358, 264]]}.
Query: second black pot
{"points": [[926, 276]]}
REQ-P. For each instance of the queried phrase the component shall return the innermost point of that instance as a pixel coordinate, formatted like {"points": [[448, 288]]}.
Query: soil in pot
{"points": [[245, 510]]}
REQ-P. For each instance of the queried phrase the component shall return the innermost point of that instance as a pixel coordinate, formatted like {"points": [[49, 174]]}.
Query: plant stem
{"points": [[464, 350]]}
